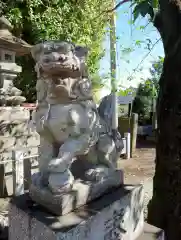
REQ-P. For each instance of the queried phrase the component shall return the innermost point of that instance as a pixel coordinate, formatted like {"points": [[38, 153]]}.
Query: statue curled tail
{"points": [[105, 111]]}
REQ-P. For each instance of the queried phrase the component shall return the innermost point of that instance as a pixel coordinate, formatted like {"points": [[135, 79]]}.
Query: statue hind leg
{"points": [[106, 159]]}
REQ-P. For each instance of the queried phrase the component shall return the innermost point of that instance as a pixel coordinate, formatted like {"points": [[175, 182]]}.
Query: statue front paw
{"points": [[40, 179], [60, 182], [58, 165]]}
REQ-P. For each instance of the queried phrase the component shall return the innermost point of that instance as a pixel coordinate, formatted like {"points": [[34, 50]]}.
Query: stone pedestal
{"points": [[151, 232], [116, 215], [82, 193]]}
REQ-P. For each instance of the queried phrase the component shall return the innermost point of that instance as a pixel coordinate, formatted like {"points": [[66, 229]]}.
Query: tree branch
{"points": [[143, 59], [117, 6]]}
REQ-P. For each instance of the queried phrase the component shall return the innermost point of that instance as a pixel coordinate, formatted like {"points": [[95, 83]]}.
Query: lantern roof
{"points": [[9, 41]]}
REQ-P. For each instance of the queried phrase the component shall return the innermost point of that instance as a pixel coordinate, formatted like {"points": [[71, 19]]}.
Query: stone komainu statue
{"points": [[76, 139]]}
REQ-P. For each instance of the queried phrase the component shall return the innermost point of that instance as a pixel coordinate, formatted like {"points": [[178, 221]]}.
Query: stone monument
{"points": [[78, 149], [78, 188]]}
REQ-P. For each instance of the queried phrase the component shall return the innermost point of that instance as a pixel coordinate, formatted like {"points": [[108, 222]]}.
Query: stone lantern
{"points": [[10, 46], [14, 132]]}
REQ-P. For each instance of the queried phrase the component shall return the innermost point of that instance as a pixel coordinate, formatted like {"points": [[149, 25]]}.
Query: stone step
{"points": [[151, 232]]}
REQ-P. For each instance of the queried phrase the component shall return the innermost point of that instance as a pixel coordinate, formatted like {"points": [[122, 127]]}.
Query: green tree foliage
{"points": [[79, 21], [156, 71], [148, 91], [100, 81], [143, 101], [128, 91]]}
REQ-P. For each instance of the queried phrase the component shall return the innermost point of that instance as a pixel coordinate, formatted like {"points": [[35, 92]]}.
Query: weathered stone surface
{"points": [[117, 215], [69, 123], [13, 67], [7, 156], [81, 193], [11, 130], [18, 142], [11, 135], [9, 94], [151, 232], [8, 167], [15, 136], [33, 139], [13, 114]]}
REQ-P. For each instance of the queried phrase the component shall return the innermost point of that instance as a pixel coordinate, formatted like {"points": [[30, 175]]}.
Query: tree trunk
{"points": [[164, 209]]}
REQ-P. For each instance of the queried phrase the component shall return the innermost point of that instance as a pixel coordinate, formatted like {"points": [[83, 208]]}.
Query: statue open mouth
{"points": [[62, 66]]}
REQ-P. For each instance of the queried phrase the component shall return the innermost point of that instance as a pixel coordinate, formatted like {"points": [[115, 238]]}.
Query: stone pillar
{"points": [[134, 130]]}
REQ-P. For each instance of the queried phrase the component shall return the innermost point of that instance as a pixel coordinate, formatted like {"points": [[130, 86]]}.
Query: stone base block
{"points": [[81, 193], [116, 215]]}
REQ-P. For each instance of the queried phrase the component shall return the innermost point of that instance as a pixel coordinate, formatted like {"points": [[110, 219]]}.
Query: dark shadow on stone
{"points": [[72, 219], [80, 166], [156, 213]]}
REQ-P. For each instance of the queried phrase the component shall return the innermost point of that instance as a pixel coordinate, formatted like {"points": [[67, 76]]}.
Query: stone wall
{"points": [[15, 135]]}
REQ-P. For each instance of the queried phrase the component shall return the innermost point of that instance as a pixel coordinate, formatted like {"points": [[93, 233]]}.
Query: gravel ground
{"points": [[140, 169]]}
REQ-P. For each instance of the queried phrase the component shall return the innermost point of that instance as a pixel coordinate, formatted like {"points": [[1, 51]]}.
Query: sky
{"points": [[127, 35]]}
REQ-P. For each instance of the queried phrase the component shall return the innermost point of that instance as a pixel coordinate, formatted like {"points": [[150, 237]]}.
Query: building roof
{"points": [[125, 99]]}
